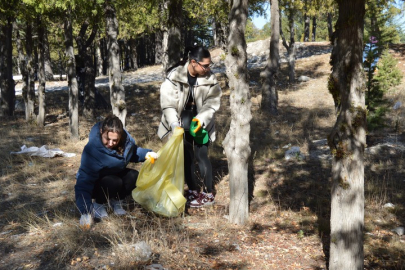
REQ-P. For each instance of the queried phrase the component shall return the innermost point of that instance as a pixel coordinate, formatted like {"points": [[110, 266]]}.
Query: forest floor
{"points": [[288, 225]]}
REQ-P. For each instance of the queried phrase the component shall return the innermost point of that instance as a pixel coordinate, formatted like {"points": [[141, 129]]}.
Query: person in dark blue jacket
{"points": [[103, 178]]}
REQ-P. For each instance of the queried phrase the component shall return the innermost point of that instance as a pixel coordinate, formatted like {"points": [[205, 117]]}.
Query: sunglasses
{"points": [[207, 66]]}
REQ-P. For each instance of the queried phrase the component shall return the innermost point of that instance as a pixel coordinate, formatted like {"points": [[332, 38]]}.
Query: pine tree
{"points": [[388, 74]]}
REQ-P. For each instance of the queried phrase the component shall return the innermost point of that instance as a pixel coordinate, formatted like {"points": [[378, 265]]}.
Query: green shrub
{"points": [[388, 74]]}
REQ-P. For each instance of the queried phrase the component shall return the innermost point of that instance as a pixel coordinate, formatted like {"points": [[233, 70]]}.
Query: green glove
{"points": [[198, 132]]}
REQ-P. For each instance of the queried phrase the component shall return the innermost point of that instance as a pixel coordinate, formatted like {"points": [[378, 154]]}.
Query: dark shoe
{"points": [[203, 200], [191, 195]]}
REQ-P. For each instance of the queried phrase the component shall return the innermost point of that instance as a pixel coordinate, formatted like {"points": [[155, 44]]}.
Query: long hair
{"points": [[198, 53], [113, 124]]}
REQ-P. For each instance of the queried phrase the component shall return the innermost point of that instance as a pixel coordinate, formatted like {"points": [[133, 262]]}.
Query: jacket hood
{"points": [[96, 142]]}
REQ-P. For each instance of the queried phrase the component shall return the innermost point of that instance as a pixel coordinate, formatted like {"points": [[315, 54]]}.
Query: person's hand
{"points": [[86, 220], [152, 156], [197, 125], [174, 125]]}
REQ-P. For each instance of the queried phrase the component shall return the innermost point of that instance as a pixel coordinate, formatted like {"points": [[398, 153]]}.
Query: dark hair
{"points": [[113, 124], [198, 53]]}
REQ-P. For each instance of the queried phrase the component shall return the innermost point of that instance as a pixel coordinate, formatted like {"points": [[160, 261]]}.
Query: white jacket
{"points": [[173, 97]]}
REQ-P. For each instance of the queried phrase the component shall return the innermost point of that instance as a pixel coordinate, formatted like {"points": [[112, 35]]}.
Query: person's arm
{"points": [[169, 101], [138, 154], [210, 105], [85, 179]]}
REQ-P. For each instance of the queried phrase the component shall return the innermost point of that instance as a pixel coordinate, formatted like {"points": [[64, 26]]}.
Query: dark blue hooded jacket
{"points": [[98, 161]]}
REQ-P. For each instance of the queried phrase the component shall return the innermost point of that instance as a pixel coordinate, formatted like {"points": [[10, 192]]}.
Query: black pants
{"points": [[115, 186], [197, 152]]}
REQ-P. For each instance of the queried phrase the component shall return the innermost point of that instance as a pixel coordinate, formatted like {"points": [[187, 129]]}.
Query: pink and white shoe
{"points": [[191, 195], [205, 199]]}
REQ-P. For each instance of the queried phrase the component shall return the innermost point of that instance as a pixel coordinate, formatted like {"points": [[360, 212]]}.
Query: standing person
{"points": [[190, 97], [103, 175]]}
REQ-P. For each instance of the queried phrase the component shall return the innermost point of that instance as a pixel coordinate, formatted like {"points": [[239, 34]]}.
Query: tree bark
{"points": [[89, 79], [72, 79], [291, 50], [171, 43], [99, 59], [117, 91], [306, 27], [158, 47], [134, 54], [7, 86], [314, 29], [24, 74], [236, 143], [330, 27], [29, 95], [221, 31], [41, 73], [269, 91], [47, 58], [348, 138], [104, 54]]}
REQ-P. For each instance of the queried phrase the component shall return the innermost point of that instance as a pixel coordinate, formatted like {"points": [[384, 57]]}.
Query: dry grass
{"points": [[289, 214]]}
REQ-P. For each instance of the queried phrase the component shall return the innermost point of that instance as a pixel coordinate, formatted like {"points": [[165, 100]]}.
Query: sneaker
{"points": [[204, 199], [191, 195], [100, 211], [117, 207]]}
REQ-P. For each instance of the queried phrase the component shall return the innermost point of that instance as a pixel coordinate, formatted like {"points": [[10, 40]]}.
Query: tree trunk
{"points": [[215, 34], [171, 47], [306, 27], [47, 58], [41, 73], [71, 78], [348, 138], [117, 91], [291, 51], [236, 143], [99, 59], [134, 54], [89, 85], [158, 47], [313, 29], [221, 33], [24, 74], [104, 55], [123, 53], [29, 95], [269, 91], [330, 27], [88, 77], [7, 96], [3, 70], [61, 65], [172, 44]]}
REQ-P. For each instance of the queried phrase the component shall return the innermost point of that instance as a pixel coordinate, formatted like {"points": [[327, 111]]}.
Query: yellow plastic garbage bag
{"points": [[159, 187]]}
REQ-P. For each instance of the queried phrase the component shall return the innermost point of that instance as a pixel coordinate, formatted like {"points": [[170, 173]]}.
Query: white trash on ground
{"points": [[399, 230], [389, 205], [143, 251], [293, 152], [43, 151], [397, 105], [155, 267]]}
